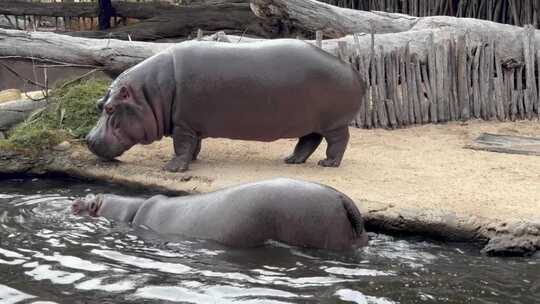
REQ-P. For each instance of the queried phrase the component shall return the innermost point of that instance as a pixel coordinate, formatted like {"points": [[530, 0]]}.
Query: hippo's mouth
{"points": [[121, 138]]}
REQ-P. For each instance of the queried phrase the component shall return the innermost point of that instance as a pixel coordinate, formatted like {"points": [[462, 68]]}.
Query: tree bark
{"points": [[233, 17], [14, 112], [293, 17], [114, 56]]}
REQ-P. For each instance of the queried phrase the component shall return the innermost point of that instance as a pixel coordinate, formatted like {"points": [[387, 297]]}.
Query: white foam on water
{"points": [[72, 262], [360, 272], [97, 284], [357, 297], [142, 262], [44, 272], [11, 254], [10, 295], [213, 294]]}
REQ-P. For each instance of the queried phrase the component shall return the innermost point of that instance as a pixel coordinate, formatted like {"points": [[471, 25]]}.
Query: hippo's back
{"points": [[263, 90]]}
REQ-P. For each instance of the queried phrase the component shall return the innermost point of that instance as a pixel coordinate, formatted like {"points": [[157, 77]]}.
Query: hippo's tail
{"points": [[354, 217]]}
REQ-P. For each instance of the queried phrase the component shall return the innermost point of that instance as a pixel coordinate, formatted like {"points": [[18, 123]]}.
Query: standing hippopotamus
{"points": [[294, 212], [260, 91]]}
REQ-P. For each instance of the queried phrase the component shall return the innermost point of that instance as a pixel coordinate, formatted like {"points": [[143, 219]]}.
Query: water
{"points": [[48, 255]]}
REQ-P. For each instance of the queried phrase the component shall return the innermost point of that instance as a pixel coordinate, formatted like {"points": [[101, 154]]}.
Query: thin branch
{"points": [[79, 78], [27, 80], [51, 61]]}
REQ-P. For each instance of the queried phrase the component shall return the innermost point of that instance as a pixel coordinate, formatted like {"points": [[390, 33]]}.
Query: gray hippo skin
{"points": [[259, 91], [290, 211]]}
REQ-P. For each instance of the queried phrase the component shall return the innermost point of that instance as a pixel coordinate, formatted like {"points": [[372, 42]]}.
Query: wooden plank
{"points": [[537, 103], [426, 87], [529, 55], [519, 103], [369, 102], [491, 100], [506, 144], [381, 88], [476, 82], [395, 80], [423, 108], [432, 64], [484, 82], [404, 115], [500, 88], [462, 79], [411, 89], [442, 65], [318, 38], [360, 65], [390, 91], [452, 85]]}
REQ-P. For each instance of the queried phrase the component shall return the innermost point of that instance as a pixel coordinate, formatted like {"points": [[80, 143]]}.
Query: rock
{"points": [[510, 245], [9, 95], [75, 155], [16, 111], [63, 146]]}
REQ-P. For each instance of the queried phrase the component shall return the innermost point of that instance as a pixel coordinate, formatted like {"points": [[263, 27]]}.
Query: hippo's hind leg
{"points": [[337, 140], [185, 145], [304, 148], [197, 150]]}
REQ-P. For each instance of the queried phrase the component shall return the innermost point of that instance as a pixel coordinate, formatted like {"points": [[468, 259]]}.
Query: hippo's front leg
{"points": [[186, 143]]}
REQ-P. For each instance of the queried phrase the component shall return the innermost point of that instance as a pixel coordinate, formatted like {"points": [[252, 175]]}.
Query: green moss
{"points": [[71, 113]]}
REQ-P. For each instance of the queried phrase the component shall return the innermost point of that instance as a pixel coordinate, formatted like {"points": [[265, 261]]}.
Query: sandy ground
{"points": [[418, 168]]}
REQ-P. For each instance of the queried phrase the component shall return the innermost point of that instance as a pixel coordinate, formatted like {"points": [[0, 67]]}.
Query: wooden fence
{"points": [[515, 12], [84, 18], [459, 81]]}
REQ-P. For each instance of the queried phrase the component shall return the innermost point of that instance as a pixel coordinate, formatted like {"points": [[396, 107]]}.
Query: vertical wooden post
{"points": [[432, 66], [342, 50], [529, 55], [318, 38], [462, 78]]}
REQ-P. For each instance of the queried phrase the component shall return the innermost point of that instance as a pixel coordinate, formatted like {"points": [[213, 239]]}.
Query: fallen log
{"points": [[182, 21], [298, 17], [393, 30], [158, 20], [14, 112], [114, 56]]}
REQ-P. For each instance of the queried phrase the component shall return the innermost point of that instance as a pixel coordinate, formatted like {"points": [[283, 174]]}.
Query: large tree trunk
{"points": [[115, 55], [394, 30], [181, 21], [305, 16]]}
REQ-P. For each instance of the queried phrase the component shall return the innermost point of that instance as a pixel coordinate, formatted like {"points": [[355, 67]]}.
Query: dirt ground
{"points": [[419, 168]]}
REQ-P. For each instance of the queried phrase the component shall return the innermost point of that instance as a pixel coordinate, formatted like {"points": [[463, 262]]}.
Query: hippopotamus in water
{"points": [[290, 211], [259, 91]]}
